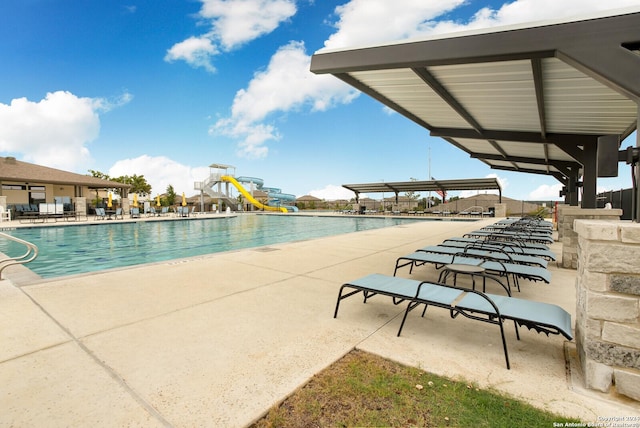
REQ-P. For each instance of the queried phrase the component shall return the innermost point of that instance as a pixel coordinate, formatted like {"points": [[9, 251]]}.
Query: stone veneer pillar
{"points": [[3, 204], [559, 209], [567, 235], [500, 210], [608, 305], [81, 206], [125, 205]]}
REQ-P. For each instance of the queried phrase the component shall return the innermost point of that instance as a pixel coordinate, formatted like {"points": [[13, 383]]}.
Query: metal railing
{"points": [[29, 255]]}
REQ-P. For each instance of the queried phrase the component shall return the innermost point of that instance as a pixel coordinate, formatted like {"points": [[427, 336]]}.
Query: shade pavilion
{"points": [[550, 98]]}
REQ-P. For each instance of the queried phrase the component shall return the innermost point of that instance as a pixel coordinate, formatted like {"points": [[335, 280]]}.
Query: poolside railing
{"points": [[29, 255]]}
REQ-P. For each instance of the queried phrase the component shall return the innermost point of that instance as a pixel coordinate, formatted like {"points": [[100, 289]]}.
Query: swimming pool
{"points": [[68, 250]]}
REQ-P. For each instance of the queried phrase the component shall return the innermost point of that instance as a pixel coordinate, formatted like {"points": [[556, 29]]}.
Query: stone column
{"points": [[569, 237], [125, 205], [3, 204], [81, 206], [560, 207], [608, 305], [501, 210]]}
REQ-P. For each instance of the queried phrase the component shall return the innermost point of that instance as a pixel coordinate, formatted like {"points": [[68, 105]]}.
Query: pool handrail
{"points": [[30, 255]]}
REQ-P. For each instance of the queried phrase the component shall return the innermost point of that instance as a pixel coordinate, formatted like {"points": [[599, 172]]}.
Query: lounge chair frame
{"points": [[135, 212], [497, 267], [471, 304], [508, 235], [516, 247], [482, 250], [100, 214], [446, 272]]}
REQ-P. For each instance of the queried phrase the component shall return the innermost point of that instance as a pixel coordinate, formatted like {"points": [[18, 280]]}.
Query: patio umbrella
{"points": [[158, 200], [110, 201], [135, 200], [184, 200]]}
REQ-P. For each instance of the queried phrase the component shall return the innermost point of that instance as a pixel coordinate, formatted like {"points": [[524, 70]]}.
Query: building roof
{"points": [[426, 186], [532, 98], [15, 170]]}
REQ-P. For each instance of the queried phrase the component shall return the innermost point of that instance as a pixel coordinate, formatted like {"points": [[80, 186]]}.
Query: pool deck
{"points": [[216, 340]]}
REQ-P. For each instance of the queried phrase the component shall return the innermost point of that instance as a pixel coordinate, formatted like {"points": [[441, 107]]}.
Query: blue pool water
{"points": [[68, 250]]}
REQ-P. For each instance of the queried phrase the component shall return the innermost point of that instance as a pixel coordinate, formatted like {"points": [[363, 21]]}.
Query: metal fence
{"points": [[622, 199]]}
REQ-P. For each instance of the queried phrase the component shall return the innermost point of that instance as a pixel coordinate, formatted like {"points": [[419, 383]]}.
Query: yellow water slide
{"points": [[248, 196]]}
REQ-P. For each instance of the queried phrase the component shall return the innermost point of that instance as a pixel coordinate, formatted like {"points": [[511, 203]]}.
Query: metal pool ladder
{"points": [[31, 253]]}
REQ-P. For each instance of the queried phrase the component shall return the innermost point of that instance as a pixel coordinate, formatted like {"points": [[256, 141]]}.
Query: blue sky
{"points": [[164, 88]]}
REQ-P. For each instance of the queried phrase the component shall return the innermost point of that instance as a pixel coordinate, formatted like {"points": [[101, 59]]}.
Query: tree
{"points": [[98, 174], [101, 176], [412, 195], [171, 195], [422, 203], [138, 185]]}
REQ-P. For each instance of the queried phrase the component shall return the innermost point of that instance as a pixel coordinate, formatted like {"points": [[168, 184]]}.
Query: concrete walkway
{"points": [[216, 340]]}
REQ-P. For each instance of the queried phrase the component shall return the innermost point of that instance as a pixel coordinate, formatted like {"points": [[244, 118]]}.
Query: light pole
{"points": [[429, 178], [383, 209]]}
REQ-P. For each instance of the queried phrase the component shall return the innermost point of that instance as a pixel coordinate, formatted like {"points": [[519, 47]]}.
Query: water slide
{"points": [[276, 197], [247, 195]]}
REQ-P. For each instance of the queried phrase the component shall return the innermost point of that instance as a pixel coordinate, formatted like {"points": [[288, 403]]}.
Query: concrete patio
{"points": [[216, 340]]}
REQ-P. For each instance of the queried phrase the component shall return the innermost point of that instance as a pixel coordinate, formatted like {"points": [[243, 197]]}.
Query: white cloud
{"points": [[388, 111], [362, 22], [236, 22], [285, 85], [54, 131], [545, 191], [521, 11], [233, 23], [196, 51], [371, 21], [160, 172], [331, 192]]}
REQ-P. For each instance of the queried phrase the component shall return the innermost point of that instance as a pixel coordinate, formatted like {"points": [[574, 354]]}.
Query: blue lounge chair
{"points": [[494, 253], [100, 214], [513, 270], [520, 228], [538, 316], [511, 235], [512, 241], [527, 221], [135, 212], [508, 247]]}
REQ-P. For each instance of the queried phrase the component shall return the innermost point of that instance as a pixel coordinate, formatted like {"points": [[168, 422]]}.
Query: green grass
{"points": [[367, 390]]}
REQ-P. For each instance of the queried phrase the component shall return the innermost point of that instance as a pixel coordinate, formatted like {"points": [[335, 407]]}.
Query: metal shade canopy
{"points": [[426, 186], [533, 98]]}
